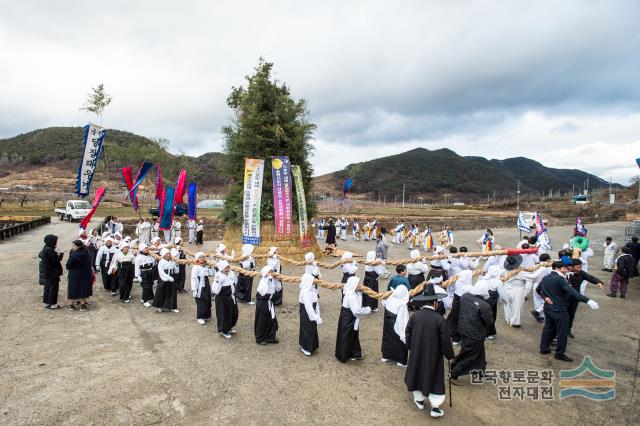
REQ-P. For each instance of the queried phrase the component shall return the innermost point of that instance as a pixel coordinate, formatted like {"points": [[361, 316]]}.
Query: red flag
{"points": [[181, 186], [127, 176], [99, 194], [159, 185]]}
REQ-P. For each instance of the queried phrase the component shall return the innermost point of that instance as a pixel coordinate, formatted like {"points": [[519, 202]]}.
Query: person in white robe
{"points": [[177, 229], [192, 230], [512, 293], [610, 249]]}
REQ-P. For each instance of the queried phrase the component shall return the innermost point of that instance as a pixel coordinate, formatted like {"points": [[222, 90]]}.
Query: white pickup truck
{"points": [[75, 210]]}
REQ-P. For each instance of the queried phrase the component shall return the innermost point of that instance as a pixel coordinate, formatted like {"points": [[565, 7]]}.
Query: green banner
{"points": [[305, 239]]}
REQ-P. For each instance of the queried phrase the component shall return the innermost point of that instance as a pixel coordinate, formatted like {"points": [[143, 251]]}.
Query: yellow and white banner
{"points": [[305, 240]]}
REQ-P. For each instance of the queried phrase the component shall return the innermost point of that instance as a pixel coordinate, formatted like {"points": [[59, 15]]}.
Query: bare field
{"points": [[126, 364]]}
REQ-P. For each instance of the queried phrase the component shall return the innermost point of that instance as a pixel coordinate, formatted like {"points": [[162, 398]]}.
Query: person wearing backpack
{"points": [[621, 274]]}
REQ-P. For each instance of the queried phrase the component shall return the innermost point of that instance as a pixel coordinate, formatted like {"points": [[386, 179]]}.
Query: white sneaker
{"points": [[226, 335], [419, 404], [147, 304], [127, 301], [251, 303], [401, 365], [307, 353], [436, 412], [384, 360], [175, 310], [375, 310], [201, 322], [232, 331], [492, 337], [56, 306], [159, 310], [142, 301], [455, 343]]}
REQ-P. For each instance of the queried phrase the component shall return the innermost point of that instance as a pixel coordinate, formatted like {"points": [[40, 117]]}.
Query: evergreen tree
{"points": [[267, 122]]}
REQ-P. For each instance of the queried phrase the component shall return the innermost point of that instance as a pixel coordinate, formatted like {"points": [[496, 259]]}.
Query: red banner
{"points": [[127, 176], [99, 194], [181, 186]]}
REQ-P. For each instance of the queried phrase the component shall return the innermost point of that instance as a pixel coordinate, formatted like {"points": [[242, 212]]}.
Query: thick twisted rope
{"points": [[392, 262], [364, 289]]}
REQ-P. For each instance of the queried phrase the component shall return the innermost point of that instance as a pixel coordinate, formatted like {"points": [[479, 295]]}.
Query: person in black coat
{"points": [[80, 275], [575, 280], [556, 292], [50, 268], [427, 337], [331, 237], [475, 319], [634, 249]]}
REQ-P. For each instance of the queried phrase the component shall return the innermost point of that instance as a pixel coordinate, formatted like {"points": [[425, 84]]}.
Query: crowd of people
{"points": [[418, 333]]}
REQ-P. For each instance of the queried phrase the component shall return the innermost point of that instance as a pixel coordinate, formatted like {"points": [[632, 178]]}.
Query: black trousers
{"points": [[471, 358], [493, 303], [50, 291], [556, 325], [572, 307], [452, 319]]}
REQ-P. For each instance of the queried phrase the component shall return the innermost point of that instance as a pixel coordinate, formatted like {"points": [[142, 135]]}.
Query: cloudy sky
{"points": [[554, 81]]}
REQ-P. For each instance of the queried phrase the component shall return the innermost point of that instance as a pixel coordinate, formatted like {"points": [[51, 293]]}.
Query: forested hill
{"points": [[61, 147], [429, 174]]}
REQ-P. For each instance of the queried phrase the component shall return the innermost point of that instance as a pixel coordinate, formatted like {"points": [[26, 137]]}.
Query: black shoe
{"points": [[537, 316], [571, 335], [623, 296], [545, 351], [563, 357], [263, 343], [516, 326], [612, 295]]}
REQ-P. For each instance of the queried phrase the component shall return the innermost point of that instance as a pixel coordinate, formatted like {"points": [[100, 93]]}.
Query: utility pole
{"points": [[518, 196], [403, 188]]}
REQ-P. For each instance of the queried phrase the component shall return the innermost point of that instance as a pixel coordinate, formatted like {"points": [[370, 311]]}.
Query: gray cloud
{"points": [[482, 78]]}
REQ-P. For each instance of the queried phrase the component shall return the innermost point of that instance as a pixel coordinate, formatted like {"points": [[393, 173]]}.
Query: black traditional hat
{"points": [[512, 262], [428, 294]]}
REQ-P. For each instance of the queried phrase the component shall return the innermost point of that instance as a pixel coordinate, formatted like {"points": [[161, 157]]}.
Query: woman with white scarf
{"points": [[122, 265], [275, 265], [311, 266], [266, 323], [416, 271], [245, 282], [166, 297], [396, 317], [201, 289], [224, 287], [371, 275], [309, 315], [347, 339], [350, 268], [144, 274]]}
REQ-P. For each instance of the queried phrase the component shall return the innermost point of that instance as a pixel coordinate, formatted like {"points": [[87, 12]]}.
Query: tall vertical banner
{"points": [[305, 239], [252, 196], [193, 200], [282, 200], [166, 208], [96, 201], [181, 185], [159, 185], [93, 139]]}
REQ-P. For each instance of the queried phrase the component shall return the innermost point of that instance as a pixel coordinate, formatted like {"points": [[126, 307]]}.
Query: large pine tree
{"points": [[267, 122]]}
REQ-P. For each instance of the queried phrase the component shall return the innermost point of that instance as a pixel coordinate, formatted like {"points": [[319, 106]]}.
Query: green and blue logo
{"points": [[599, 387]]}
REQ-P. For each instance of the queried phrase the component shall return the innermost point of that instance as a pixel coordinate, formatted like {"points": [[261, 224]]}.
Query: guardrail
{"points": [[12, 231]]}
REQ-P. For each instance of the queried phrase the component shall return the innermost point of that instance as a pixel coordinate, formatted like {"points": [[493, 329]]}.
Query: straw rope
{"points": [[364, 289]]}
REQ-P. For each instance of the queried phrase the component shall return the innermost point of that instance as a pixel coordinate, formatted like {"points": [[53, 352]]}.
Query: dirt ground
{"points": [[126, 364]]}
